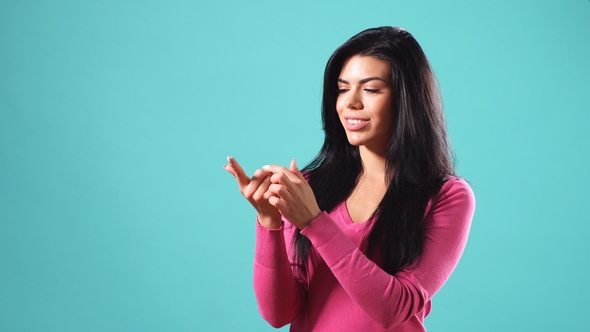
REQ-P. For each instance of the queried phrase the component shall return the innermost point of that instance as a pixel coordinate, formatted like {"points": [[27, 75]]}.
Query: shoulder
{"points": [[456, 188], [455, 198]]}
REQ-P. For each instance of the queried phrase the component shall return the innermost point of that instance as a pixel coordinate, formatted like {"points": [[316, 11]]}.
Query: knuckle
{"points": [[248, 193], [256, 197], [277, 188]]}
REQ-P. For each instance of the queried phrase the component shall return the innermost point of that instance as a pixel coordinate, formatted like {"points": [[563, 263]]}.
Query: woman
{"points": [[372, 228]]}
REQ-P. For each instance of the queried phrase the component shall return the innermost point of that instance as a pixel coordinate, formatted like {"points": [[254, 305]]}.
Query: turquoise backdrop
{"points": [[117, 116]]}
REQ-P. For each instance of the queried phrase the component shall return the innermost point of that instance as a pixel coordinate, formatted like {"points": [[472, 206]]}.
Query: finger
{"points": [[279, 205], [260, 175], [238, 172], [293, 168], [230, 170], [255, 182], [268, 194], [283, 180], [279, 191], [280, 169], [262, 189]]}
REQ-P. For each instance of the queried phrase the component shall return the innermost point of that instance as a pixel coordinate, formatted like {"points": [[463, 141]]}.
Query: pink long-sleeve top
{"points": [[343, 290]]}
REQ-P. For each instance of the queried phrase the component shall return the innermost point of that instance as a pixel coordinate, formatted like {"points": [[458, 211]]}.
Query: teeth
{"points": [[354, 121]]}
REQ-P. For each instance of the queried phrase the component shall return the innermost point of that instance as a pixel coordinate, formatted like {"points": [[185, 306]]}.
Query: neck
{"points": [[374, 163]]}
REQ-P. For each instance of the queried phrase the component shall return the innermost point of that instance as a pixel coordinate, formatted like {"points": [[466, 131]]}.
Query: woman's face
{"points": [[365, 102]]}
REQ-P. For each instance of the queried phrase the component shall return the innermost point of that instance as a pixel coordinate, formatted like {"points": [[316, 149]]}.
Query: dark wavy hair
{"points": [[419, 156]]}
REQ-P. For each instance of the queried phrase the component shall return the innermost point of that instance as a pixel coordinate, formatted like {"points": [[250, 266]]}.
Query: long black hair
{"points": [[418, 158]]}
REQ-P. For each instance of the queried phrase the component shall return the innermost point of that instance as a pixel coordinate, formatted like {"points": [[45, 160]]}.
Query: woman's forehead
{"points": [[361, 67]]}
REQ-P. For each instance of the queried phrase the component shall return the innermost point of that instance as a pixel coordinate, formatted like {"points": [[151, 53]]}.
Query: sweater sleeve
{"points": [[391, 299], [279, 291]]}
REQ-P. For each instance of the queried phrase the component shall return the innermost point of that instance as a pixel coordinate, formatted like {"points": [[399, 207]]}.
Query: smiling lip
{"points": [[354, 123]]}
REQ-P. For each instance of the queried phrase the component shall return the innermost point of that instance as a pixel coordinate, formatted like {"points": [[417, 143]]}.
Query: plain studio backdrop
{"points": [[117, 116]]}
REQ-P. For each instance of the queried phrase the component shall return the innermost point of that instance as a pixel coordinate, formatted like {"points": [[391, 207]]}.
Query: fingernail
{"points": [[229, 159], [265, 166], [295, 162]]}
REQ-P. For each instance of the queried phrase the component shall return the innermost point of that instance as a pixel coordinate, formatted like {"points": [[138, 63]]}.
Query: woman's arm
{"points": [[279, 293], [390, 300]]}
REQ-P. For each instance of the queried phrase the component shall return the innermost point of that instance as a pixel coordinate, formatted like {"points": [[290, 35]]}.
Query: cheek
{"points": [[339, 105], [386, 117]]}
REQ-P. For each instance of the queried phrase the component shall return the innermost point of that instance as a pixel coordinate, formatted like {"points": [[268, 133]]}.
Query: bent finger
{"points": [[281, 169], [262, 189], [284, 180], [280, 191], [255, 182], [279, 205]]}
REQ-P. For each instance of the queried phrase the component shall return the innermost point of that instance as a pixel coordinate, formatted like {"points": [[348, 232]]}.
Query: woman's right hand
{"points": [[255, 190]]}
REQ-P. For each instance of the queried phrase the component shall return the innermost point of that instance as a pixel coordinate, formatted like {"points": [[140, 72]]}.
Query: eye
{"points": [[342, 90], [372, 90]]}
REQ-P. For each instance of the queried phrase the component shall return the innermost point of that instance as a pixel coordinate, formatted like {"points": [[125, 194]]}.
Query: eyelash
{"points": [[341, 91]]}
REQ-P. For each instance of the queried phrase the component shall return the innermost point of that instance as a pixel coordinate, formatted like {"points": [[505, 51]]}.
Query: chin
{"points": [[354, 142]]}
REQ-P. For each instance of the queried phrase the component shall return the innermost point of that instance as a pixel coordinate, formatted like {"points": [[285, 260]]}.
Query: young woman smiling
{"points": [[371, 229]]}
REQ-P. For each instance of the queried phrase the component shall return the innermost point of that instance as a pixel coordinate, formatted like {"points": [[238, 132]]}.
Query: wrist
{"points": [[314, 215], [270, 222]]}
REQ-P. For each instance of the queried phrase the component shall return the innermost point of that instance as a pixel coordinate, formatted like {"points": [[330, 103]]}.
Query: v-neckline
{"points": [[358, 227]]}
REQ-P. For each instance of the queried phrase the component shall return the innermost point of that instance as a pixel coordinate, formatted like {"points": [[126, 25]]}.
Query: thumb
{"points": [[293, 168]]}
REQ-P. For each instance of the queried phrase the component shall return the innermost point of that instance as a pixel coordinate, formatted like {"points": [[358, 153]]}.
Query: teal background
{"points": [[116, 118]]}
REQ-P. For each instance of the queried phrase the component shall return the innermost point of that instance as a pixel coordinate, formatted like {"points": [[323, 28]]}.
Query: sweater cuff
{"points": [[270, 246], [328, 239]]}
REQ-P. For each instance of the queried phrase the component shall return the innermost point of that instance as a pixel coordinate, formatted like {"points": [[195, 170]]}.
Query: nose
{"points": [[353, 102]]}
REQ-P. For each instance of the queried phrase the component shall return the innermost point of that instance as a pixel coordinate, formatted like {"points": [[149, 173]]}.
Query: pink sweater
{"points": [[343, 289]]}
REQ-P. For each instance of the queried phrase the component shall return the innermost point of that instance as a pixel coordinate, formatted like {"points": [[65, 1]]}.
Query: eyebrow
{"points": [[364, 80]]}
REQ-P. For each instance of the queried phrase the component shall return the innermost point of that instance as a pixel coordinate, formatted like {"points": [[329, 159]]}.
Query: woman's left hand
{"points": [[292, 195]]}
